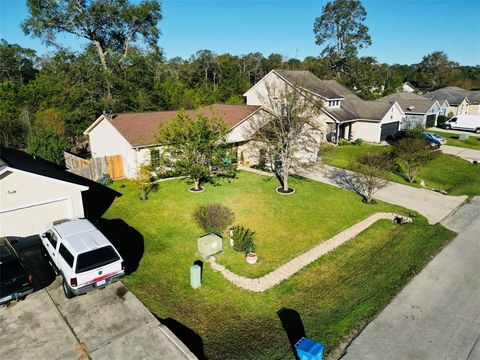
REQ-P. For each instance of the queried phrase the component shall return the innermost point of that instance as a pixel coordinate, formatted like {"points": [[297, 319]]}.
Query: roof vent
{"points": [[411, 108]]}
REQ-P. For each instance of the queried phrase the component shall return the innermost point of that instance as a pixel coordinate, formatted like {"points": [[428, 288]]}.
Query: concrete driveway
{"points": [[467, 154], [433, 205], [104, 324], [437, 315], [470, 133]]}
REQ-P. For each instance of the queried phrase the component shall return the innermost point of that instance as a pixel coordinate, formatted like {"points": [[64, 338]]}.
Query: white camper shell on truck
{"points": [[464, 122], [82, 255]]}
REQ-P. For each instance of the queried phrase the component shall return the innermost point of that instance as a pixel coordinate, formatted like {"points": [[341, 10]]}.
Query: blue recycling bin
{"points": [[308, 349]]}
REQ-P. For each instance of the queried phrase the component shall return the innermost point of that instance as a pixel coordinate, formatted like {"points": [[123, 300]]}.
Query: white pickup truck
{"points": [[82, 255]]}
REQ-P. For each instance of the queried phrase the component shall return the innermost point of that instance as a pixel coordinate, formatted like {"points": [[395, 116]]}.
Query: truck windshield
{"points": [[96, 258]]}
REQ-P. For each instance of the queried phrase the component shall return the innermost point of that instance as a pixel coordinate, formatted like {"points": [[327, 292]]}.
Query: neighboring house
{"points": [[444, 105], [133, 135], [35, 192], [460, 101], [344, 115], [407, 87], [416, 108]]}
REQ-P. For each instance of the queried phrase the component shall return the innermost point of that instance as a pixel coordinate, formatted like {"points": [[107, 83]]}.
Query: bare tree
{"points": [[286, 134], [370, 171]]}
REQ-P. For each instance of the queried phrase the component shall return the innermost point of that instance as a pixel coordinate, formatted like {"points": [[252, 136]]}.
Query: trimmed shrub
{"points": [[441, 119], [214, 217], [105, 180], [358, 142], [243, 239], [430, 121]]}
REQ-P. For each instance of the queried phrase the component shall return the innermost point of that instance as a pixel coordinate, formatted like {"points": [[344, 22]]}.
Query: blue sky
{"points": [[401, 31]]}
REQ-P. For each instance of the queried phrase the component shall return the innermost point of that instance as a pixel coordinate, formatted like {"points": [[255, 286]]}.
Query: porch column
{"points": [[337, 135]]}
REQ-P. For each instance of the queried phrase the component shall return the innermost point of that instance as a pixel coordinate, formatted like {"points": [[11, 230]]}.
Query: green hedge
{"points": [[441, 119], [430, 121]]}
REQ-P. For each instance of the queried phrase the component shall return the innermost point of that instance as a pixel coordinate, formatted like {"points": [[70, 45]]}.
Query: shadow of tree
{"points": [[293, 326], [190, 338], [126, 239], [345, 179]]}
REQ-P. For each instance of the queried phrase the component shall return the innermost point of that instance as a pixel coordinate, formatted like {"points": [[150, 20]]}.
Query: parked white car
{"points": [[82, 255], [464, 122]]}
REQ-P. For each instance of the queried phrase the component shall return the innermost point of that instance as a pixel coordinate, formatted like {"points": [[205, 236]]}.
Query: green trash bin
{"points": [[195, 276]]}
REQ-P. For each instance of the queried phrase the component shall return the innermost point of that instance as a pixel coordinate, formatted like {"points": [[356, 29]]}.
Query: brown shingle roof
{"points": [[141, 129]]}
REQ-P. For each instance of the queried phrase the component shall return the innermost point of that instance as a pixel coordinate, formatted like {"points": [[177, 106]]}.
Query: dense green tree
{"points": [[273, 61], [47, 144], [433, 71], [194, 146], [341, 32], [17, 64], [366, 77], [14, 118], [111, 26]]}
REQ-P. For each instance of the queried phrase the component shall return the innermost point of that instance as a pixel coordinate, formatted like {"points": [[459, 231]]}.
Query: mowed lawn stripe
{"points": [[332, 295]]}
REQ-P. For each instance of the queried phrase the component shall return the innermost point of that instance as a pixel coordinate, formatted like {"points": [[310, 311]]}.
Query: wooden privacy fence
{"points": [[95, 168]]}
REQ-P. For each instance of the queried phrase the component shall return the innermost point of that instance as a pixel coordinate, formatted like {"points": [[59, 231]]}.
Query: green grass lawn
{"points": [[333, 295], [446, 172], [473, 142]]}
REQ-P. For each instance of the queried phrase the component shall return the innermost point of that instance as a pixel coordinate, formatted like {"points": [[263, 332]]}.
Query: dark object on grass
{"points": [[293, 326]]}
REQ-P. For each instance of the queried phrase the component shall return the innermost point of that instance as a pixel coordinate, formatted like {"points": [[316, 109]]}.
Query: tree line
{"points": [[47, 101]]}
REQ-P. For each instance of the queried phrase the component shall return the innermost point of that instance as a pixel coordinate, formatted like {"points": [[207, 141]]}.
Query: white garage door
{"points": [[34, 219]]}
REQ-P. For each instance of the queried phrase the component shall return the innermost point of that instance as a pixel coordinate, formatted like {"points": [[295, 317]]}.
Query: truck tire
{"points": [[66, 290], [477, 131]]}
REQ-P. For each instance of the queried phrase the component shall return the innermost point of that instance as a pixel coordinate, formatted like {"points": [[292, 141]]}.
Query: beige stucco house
{"points": [[30, 202], [344, 115], [460, 101]]}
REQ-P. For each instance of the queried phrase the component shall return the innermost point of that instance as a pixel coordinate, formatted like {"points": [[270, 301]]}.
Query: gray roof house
{"points": [[453, 94], [416, 108], [460, 101], [347, 116]]}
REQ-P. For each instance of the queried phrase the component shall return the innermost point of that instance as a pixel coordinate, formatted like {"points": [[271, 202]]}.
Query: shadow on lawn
{"points": [[343, 179], [190, 338], [293, 326], [126, 239]]}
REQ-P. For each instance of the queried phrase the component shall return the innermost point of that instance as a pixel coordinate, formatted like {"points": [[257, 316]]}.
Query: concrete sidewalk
{"points": [[433, 205], [437, 315], [467, 154]]}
